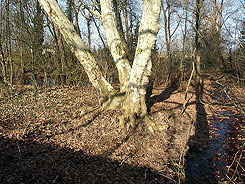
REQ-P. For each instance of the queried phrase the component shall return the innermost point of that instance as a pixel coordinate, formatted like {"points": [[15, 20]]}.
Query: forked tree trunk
{"points": [[78, 47], [133, 81], [135, 102]]}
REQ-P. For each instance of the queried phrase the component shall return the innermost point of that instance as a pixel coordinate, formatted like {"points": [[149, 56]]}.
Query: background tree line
{"points": [[33, 50]]}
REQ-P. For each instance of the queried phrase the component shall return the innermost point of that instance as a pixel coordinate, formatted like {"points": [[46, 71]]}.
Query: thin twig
{"points": [[187, 88], [168, 177]]}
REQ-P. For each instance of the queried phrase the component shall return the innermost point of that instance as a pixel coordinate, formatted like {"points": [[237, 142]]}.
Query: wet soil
{"points": [[212, 153], [59, 136]]}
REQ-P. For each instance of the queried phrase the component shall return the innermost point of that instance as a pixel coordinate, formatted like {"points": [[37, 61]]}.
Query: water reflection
{"points": [[210, 165], [207, 157]]}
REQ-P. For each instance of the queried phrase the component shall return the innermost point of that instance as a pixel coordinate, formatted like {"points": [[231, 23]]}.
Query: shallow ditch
{"points": [[209, 165], [207, 162]]}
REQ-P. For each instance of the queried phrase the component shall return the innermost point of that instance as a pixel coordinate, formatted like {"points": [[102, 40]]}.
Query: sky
{"points": [[233, 14]]}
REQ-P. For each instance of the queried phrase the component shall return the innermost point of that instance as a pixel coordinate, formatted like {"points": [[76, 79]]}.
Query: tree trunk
{"points": [[167, 31], [219, 23], [21, 46], [128, 28], [115, 44], [182, 69], [9, 48], [134, 82], [76, 17], [78, 47], [88, 19], [119, 25], [135, 102], [2, 55], [166, 28], [33, 71], [99, 33], [62, 57], [198, 43]]}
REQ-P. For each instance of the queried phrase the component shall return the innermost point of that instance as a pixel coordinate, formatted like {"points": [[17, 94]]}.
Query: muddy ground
{"points": [[59, 136]]}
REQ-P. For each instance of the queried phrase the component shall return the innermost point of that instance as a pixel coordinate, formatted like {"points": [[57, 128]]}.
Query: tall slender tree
{"points": [[2, 54], [198, 42], [8, 42]]}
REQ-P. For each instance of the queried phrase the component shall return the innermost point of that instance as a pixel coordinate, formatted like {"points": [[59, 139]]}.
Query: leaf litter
{"points": [[58, 136]]}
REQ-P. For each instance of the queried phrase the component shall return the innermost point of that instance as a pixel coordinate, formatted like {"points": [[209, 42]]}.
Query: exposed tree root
{"points": [[130, 118], [130, 121], [152, 126]]}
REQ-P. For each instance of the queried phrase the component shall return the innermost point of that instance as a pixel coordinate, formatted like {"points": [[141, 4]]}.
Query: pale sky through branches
{"points": [[233, 16]]}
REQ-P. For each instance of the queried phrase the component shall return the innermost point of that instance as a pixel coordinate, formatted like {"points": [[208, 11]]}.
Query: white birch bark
{"points": [[115, 43], [78, 47], [142, 65]]}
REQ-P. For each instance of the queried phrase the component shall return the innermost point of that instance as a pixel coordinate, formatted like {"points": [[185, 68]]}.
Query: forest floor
{"points": [[58, 136]]}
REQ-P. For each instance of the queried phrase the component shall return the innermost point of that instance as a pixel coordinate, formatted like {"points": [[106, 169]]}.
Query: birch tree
{"points": [[133, 80]]}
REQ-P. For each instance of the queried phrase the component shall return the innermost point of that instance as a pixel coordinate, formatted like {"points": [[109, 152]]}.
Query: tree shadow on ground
{"points": [[164, 95], [198, 162], [27, 161]]}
